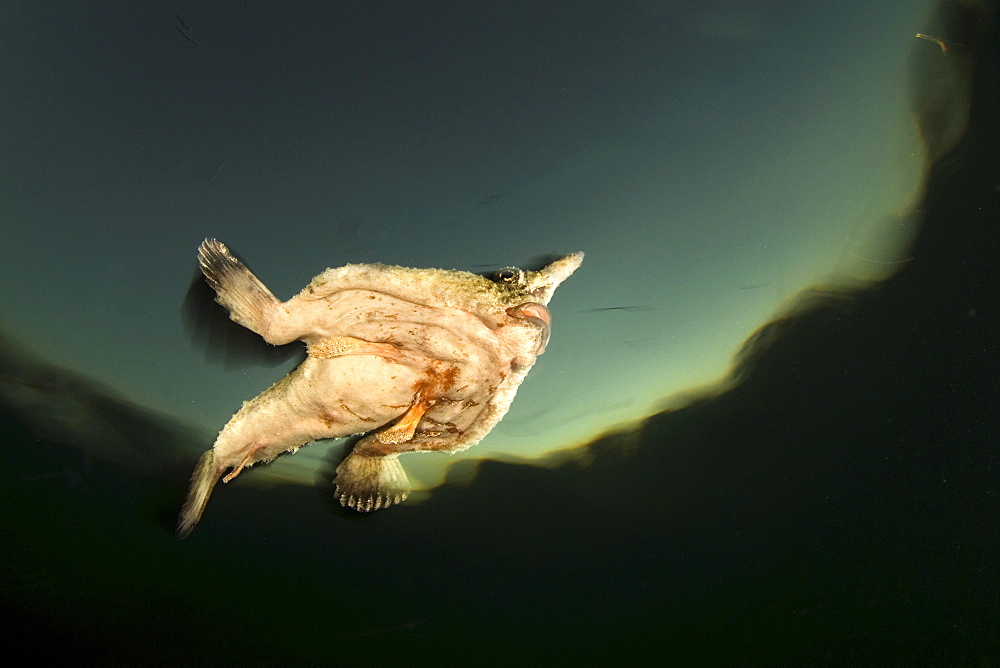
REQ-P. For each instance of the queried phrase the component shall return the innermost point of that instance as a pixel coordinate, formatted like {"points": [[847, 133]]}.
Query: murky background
{"points": [[712, 159]]}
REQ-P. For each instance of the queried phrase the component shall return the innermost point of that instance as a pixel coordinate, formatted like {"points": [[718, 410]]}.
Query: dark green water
{"points": [[838, 506]]}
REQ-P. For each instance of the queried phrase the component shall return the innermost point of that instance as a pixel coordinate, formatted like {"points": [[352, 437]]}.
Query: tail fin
{"points": [[202, 482]]}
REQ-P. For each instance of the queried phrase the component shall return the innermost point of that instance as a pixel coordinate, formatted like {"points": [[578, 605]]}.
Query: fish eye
{"points": [[510, 275]]}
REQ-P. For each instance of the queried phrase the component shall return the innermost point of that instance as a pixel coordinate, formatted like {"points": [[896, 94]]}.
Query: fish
{"points": [[415, 360]]}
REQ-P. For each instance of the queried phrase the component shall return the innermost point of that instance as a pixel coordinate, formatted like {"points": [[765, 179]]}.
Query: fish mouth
{"points": [[538, 315]]}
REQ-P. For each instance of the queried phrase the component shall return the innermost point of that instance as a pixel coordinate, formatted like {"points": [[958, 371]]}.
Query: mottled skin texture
{"points": [[417, 359]]}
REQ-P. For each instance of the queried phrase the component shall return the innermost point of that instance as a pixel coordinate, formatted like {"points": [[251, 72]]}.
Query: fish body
{"points": [[415, 359]]}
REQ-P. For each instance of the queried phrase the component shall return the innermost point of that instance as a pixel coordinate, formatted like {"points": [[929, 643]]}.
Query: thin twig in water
{"points": [[184, 29]]}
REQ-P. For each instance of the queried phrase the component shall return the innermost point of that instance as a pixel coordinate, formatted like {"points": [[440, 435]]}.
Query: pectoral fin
{"points": [[403, 430], [337, 346], [368, 483]]}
